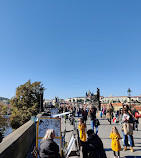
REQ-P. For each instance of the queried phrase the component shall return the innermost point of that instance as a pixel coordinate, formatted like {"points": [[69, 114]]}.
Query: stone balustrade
{"points": [[18, 143]]}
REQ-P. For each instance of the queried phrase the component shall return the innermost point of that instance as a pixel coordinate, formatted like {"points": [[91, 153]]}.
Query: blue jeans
{"points": [[78, 114], [125, 139], [92, 126]]}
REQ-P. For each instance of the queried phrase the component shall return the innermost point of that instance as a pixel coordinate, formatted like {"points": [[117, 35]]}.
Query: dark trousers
{"points": [[117, 153], [84, 151], [109, 119]]}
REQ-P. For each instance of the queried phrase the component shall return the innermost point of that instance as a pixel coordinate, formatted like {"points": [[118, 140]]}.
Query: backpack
{"points": [[97, 123]]}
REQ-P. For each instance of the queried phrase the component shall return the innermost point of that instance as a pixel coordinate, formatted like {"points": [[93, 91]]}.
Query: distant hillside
{"points": [[3, 99]]}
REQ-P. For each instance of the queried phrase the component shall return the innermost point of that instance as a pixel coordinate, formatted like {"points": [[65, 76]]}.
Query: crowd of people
{"points": [[92, 146]]}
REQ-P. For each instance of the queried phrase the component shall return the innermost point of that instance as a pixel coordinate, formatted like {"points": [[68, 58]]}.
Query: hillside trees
{"points": [[4, 110], [26, 103], [57, 105], [3, 125]]}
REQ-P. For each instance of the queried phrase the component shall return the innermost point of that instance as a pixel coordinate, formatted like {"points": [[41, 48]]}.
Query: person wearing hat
{"points": [[93, 146]]}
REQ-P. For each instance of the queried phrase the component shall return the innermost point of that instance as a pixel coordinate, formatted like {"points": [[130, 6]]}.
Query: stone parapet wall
{"points": [[17, 144]]}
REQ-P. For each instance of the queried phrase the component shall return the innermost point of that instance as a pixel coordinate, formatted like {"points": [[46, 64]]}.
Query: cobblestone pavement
{"points": [[104, 133]]}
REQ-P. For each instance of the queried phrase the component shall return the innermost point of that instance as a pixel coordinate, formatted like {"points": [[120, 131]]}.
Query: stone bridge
{"points": [[20, 142]]}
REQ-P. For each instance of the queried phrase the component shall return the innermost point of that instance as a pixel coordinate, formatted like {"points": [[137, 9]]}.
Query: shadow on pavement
{"points": [[107, 149], [132, 156], [73, 153]]}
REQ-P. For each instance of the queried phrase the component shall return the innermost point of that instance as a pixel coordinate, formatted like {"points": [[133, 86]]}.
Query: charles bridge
{"points": [[20, 143]]}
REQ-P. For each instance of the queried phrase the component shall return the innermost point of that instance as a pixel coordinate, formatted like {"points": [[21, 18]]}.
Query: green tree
{"points": [[57, 105], [3, 120], [4, 110], [26, 103], [3, 125]]}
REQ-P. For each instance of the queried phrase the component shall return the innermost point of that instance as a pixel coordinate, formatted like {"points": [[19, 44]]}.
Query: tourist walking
{"points": [[112, 110], [117, 114], [82, 130], [101, 112], [65, 109], [136, 116], [92, 114], [120, 115], [82, 134], [104, 112], [78, 111], [115, 144], [84, 114], [61, 109], [96, 124], [93, 147], [127, 129], [109, 114], [48, 148]]}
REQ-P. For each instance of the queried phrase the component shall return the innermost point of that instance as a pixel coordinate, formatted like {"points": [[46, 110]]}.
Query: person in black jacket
{"points": [[48, 148], [92, 114], [84, 114], [93, 147]]}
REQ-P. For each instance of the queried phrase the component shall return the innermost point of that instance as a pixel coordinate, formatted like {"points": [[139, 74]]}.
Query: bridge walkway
{"points": [[104, 133]]}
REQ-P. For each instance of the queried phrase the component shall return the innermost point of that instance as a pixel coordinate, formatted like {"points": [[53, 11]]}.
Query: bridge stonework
{"points": [[17, 144]]}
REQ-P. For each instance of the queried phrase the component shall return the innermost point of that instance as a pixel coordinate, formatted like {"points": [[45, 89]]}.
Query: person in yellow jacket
{"points": [[115, 144], [82, 135], [82, 130]]}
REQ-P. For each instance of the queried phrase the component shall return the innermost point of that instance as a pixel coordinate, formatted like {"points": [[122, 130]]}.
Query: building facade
{"points": [[121, 99]]}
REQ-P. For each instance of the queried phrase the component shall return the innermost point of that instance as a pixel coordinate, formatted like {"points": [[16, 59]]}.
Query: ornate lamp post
{"points": [[129, 96], [98, 98], [41, 99]]}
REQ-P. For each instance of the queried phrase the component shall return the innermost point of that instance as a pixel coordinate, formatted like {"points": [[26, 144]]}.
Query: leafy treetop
{"points": [[26, 103]]}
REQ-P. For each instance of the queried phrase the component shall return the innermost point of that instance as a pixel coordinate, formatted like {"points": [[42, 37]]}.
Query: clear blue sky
{"points": [[71, 46]]}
